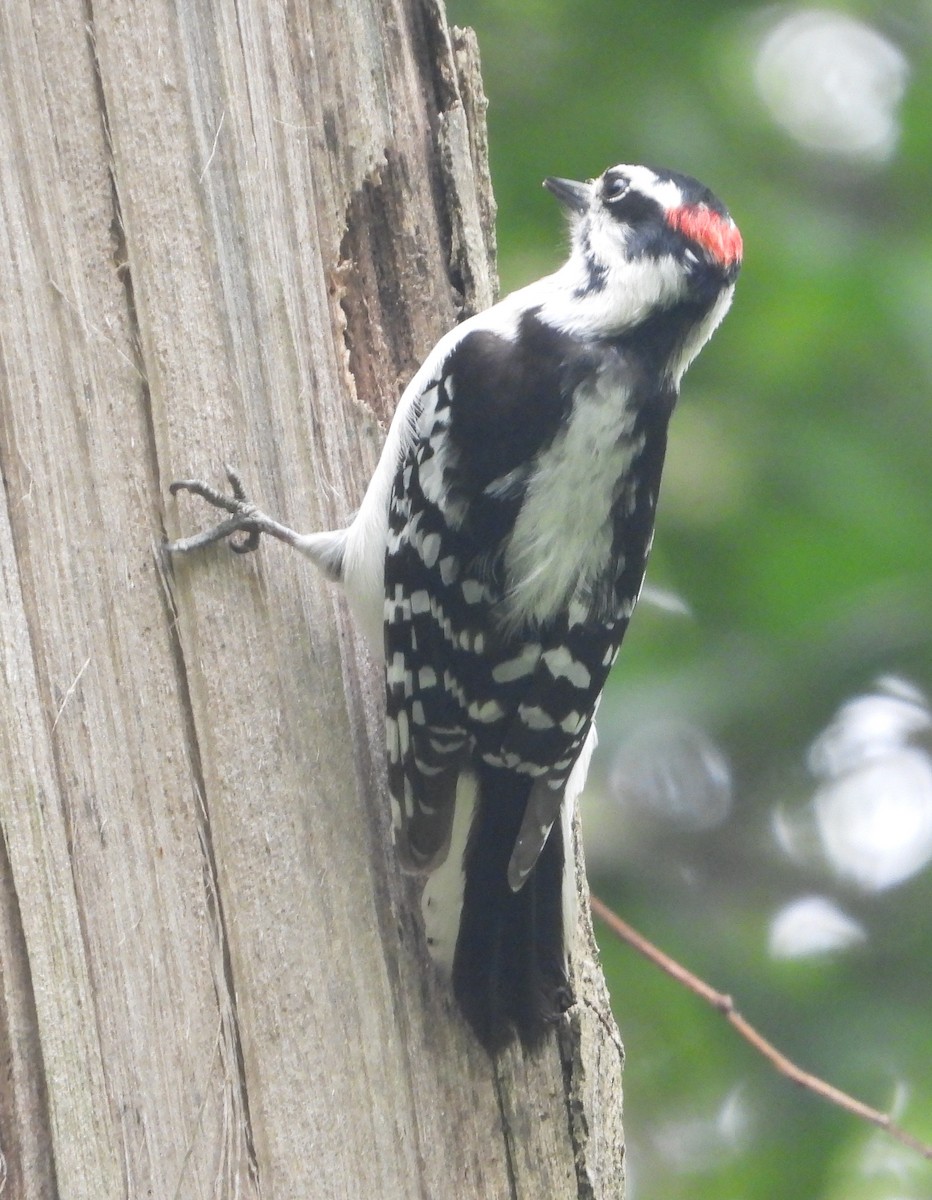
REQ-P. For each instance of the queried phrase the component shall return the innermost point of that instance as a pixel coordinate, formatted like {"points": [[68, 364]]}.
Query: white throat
{"points": [[628, 292]]}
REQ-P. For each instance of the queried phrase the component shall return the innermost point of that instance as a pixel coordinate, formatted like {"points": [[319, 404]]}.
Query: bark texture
{"points": [[229, 230]]}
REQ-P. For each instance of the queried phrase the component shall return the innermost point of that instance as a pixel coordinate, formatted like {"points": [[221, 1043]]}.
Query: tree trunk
{"points": [[230, 231]]}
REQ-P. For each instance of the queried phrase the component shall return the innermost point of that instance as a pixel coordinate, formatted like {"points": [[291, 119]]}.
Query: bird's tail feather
{"points": [[509, 966]]}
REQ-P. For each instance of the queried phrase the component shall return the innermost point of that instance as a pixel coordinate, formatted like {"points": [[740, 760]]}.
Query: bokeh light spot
{"points": [[833, 83], [873, 810], [812, 925]]}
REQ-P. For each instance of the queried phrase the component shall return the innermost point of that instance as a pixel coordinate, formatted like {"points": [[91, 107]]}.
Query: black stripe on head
{"points": [[693, 191]]}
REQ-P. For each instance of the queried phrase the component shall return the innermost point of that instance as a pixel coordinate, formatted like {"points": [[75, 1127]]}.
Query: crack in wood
{"points": [[222, 971], [507, 1135], [24, 1101]]}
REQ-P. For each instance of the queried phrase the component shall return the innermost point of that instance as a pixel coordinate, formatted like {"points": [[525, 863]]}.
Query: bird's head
{"points": [[645, 242]]}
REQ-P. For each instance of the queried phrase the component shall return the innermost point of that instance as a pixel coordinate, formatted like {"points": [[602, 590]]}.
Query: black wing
{"points": [[462, 681]]}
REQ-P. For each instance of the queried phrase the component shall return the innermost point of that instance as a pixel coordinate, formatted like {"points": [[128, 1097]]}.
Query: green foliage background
{"points": [[796, 523]]}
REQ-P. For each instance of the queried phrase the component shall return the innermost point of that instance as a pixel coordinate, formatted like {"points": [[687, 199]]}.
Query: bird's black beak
{"points": [[572, 195]]}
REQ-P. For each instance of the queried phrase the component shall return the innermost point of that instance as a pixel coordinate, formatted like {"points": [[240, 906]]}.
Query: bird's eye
{"points": [[614, 187]]}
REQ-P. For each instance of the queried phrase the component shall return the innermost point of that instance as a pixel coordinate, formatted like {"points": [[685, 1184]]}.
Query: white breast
{"points": [[563, 535]]}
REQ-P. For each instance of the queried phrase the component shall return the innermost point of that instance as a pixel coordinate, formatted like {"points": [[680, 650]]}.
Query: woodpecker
{"points": [[497, 557]]}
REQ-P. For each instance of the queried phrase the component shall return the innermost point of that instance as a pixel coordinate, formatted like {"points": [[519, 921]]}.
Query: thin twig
{"points": [[726, 1006]]}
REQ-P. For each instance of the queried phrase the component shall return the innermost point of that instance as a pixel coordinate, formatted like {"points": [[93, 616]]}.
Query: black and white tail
{"points": [[510, 963], [506, 951]]}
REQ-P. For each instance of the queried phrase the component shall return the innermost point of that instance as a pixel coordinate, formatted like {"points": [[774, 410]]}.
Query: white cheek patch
{"points": [[630, 290]]}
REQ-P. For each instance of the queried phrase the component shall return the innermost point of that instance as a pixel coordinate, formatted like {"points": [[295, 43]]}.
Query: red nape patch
{"points": [[716, 234]]}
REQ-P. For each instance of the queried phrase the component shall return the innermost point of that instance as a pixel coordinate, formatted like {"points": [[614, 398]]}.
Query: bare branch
{"points": [[724, 1004]]}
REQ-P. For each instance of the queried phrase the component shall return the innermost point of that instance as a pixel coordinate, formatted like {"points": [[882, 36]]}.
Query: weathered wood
{"points": [[230, 232]]}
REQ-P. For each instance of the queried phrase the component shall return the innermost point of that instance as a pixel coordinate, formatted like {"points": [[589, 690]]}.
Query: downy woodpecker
{"points": [[496, 559]]}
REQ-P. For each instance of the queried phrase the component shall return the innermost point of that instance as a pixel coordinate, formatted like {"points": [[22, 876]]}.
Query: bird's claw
{"points": [[243, 514]]}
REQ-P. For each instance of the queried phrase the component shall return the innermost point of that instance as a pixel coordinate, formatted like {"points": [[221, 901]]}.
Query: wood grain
{"points": [[228, 232]]}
